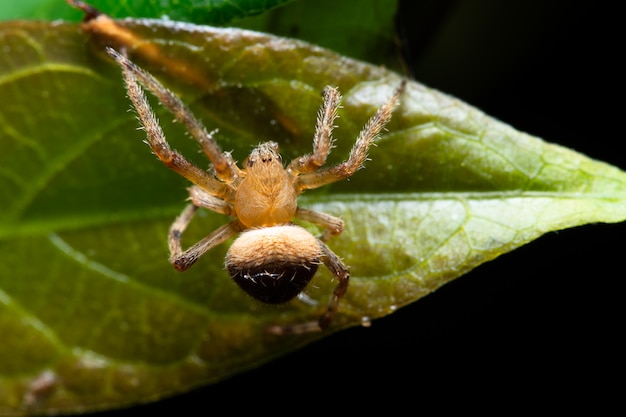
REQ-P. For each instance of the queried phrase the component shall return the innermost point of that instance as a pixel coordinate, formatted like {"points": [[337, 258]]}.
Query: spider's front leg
{"points": [[358, 154], [209, 192], [225, 167], [322, 141]]}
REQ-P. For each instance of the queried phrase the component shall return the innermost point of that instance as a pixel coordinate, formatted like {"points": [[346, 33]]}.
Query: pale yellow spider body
{"points": [[272, 259]]}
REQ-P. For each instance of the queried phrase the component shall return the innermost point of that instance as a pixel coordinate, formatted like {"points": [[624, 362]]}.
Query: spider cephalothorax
{"points": [[272, 259]]}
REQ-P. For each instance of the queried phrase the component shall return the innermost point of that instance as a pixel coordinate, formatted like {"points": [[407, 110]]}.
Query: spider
{"points": [[272, 259]]}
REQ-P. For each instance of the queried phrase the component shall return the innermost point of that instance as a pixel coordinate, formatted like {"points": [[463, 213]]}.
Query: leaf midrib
{"points": [[43, 228]]}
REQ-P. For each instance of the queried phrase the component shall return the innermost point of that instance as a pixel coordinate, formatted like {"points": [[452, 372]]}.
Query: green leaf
{"points": [[99, 319], [360, 29], [215, 12]]}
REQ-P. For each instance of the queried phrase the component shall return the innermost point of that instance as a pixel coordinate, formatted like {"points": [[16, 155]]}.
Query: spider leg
{"points": [[225, 167], [322, 141], [358, 154], [340, 271], [199, 197], [182, 260], [332, 224]]}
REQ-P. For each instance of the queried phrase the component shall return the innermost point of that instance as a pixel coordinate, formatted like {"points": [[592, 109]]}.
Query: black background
{"points": [[540, 327]]}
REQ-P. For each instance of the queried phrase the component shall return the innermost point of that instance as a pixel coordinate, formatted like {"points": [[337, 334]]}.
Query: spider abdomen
{"points": [[274, 264]]}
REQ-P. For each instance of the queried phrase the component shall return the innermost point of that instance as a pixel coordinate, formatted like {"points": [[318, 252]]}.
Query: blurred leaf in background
{"points": [[217, 12]]}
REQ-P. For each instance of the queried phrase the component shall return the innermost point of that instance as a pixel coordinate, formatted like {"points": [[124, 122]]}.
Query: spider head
{"points": [[264, 155]]}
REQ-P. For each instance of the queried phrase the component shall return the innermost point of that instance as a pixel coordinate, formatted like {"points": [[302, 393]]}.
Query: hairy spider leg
{"points": [[225, 167], [182, 260], [358, 154], [209, 192], [340, 271], [322, 140], [333, 225]]}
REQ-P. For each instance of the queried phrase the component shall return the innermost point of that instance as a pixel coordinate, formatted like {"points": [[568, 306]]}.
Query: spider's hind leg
{"points": [[341, 272]]}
